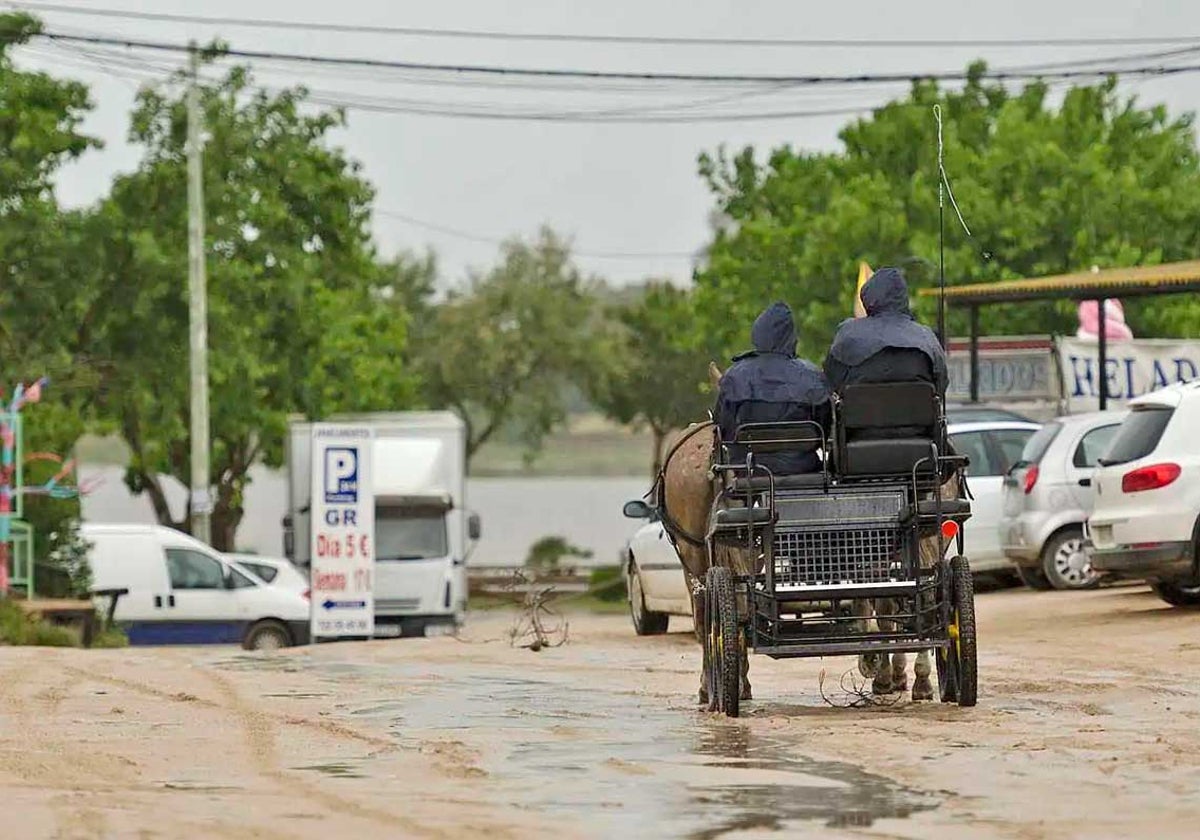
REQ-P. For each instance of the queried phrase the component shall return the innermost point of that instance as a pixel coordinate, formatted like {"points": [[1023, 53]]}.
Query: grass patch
{"points": [[18, 628], [110, 637]]}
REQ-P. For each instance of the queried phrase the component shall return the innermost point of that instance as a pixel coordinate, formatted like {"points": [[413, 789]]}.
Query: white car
{"points": [[993, 447], [1145, 523], [653, 574], [273, 570]]}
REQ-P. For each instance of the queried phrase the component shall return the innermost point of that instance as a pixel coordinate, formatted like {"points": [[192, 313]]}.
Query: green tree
{"points": [[505, 352], [652, 374], [1095, 180], [297, 314]]}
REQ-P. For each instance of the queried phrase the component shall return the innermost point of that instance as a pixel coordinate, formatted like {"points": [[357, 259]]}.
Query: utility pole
{"points": [[201, 501]]}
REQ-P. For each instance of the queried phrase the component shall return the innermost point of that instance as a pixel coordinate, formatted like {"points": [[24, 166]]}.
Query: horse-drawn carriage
{"points": [[848, 561]]}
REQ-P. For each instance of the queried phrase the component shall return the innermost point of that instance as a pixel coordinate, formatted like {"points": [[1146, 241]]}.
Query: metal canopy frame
{"points": [[1141, 281]]}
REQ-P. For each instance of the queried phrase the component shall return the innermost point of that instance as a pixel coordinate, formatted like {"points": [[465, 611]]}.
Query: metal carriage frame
{"points": [[825, 545]]}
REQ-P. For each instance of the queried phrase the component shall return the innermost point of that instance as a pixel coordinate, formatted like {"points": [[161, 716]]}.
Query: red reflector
{"points": [[1149, 478], [1031, 477], [949, 529]]}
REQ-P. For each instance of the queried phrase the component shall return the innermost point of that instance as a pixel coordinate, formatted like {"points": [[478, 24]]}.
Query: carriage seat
{"points": [[761, 483], [739, 517], [884, 457], [886, 429]]}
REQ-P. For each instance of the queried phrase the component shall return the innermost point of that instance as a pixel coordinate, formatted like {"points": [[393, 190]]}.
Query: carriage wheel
{"points": [[964, 623], [725, 641]]}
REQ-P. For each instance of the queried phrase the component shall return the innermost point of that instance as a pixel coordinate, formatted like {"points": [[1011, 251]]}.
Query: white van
{"points": [[181, 592]]}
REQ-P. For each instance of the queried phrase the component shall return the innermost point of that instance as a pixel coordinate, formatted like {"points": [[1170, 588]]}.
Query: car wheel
{"points": [[645, 622], [1065, 563], [1177, 594], [267, 635], [1034, 578]]}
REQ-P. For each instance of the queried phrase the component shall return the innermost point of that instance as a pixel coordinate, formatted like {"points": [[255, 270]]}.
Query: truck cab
{"points": [[423, 530]]}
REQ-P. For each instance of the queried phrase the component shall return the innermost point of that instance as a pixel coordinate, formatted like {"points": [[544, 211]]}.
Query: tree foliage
{"points": [[505, 351], [297, 321], [651, 373], [1045, 186]]}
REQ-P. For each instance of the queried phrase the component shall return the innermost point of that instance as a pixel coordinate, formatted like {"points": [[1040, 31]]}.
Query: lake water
{"points": [[516, 512]]}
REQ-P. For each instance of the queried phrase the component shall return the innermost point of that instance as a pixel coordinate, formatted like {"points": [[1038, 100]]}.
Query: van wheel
{"points": [[267, 635]]}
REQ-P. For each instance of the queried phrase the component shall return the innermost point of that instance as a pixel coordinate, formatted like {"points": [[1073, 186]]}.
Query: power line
{"points": [[651, 40], [1015, 74]]}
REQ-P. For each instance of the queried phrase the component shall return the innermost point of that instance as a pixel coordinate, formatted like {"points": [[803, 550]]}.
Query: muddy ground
{"points": [[1088, 726]]}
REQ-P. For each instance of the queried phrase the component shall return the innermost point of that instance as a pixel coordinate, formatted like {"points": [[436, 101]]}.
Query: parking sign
{"points": [[343, 532]]}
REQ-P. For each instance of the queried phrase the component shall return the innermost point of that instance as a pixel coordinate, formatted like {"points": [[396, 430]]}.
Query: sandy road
{"points": [[1087, 727]]}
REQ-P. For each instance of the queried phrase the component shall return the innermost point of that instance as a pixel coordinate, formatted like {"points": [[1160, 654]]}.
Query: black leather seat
{"points": [[888, 429], [885, 457]]}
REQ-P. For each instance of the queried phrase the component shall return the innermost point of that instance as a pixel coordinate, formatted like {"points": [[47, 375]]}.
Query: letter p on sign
{"points": [[341, 475]]}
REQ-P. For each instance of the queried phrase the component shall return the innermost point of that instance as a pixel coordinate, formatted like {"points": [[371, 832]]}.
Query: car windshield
{"points": [[1139, 435], [1037, 445], [407, 534]]}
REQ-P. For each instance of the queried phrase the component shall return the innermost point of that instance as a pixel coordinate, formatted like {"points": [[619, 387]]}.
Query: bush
{"points": [[110, 637], [18, 628], [64, 571], [547, 554], [607, 584]]}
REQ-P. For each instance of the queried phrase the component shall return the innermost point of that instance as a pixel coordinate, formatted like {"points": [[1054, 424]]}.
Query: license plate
{"points": [[387, 631]]}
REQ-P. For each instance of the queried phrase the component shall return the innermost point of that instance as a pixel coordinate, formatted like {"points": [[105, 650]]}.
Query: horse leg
{"points": [[922, 685], [869, 664], [700, 618]]}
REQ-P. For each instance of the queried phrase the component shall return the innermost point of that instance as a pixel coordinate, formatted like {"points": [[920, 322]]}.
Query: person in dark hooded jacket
{"points": [[769, 384], [888, 345]]}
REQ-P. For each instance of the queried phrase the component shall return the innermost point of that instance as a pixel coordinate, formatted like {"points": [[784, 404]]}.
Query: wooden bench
{"points": [[74, 612]]}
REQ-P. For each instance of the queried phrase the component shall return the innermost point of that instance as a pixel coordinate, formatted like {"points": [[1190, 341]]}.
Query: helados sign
{"points": [[1132, 368]]}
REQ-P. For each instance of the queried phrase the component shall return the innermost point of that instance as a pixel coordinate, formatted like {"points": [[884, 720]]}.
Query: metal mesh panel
{"points": [[830, 556]]}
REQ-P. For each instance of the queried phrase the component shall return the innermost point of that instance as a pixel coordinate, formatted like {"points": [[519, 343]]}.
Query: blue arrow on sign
{"points": [[331, 604]]}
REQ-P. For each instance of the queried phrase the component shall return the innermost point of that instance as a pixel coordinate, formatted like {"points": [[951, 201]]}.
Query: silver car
{"points": [[1048, 496]]}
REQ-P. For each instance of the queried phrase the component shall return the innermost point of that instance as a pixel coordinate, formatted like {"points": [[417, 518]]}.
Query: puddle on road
{"points": [[336, 769], [611, 761], [624, 762]]}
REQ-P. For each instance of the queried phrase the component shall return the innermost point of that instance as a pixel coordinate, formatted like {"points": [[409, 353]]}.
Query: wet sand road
{"points": [[1087, 727]]}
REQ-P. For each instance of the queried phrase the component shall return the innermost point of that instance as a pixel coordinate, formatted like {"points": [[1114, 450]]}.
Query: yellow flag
{"points": [[864, 274]]}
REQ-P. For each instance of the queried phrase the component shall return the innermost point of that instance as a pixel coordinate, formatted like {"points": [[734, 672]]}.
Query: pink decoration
{"points": [[1115, 328]]}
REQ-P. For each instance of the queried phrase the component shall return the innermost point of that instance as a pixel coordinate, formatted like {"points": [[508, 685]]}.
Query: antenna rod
{"points": [[941, 324]]}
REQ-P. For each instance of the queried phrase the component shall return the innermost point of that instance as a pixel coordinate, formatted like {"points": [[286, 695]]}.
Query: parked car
{"points": [[1048, 496], [181, 592], [277, 571], [958, 413], [653, 574], [1147, 516], [993, 448]]}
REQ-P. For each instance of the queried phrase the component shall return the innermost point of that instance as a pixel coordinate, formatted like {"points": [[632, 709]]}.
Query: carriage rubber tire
{"points": [[727, 639], [967, 682], [267, 635], [1035, 578], [943, 659], [645, 622]]}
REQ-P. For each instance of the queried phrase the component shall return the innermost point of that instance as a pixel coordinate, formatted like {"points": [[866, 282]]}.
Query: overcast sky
{"points": [[630, 189]]}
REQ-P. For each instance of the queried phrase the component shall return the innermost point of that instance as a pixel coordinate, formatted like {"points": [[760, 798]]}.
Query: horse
{"points": [[687, 495], [892, 677]]}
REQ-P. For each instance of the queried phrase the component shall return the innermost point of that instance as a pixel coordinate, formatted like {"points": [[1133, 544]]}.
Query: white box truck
{"points": [[422, 527]]}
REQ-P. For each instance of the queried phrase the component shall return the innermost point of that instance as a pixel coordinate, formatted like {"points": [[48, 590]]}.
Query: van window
{"points": [[193, 570], [410, 534], [237, 580], [265, 572], [1092, 446], [1138, 435]]}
